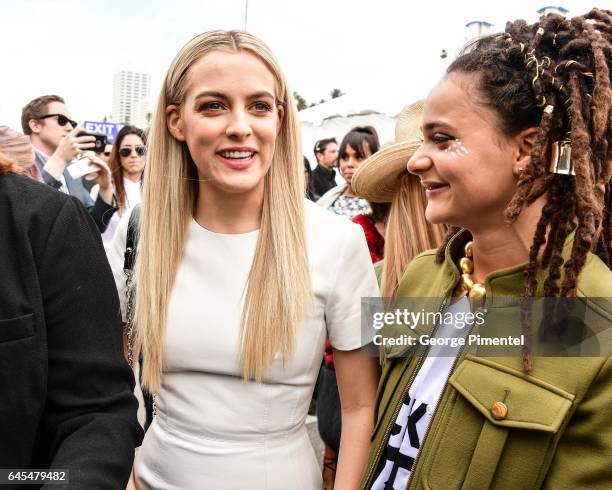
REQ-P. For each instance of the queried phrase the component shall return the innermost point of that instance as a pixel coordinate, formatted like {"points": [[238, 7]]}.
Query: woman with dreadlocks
{"points": [[516, 157]]}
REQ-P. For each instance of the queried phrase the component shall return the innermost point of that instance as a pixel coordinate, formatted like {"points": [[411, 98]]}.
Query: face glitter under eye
{"points": [[456, 149]]}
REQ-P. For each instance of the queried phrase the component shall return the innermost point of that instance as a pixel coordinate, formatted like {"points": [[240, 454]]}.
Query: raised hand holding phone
{"points": [[102, 177], [72, 145], [69, 147]]}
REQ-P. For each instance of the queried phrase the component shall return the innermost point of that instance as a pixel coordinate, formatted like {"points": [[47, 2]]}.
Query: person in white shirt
{"points": [[239, 280], [126, 162]]}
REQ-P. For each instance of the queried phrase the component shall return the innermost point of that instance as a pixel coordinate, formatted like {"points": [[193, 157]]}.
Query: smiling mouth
{"points": [[433, 186], [237, 155]]}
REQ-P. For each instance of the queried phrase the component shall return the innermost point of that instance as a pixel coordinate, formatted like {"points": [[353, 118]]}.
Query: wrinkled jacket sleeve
{"points": [[584, 456], [90, 419], [98, 209]]}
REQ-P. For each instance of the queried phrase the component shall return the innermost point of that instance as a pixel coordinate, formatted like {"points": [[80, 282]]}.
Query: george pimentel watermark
{"points": [[552, 327]]}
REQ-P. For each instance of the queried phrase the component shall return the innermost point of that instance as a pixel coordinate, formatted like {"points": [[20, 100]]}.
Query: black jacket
{"points": [[66, 392], [321, 181]]}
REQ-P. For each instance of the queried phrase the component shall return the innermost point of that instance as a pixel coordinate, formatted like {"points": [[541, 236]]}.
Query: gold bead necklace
{"points": [[475, 291]]}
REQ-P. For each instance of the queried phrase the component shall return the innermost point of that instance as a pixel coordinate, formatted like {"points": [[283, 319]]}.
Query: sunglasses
{"points": [[61, 119], [127, 151]]}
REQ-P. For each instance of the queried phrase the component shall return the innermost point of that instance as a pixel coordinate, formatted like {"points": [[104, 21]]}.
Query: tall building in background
{"points": [[142, 112], [129, 88]]}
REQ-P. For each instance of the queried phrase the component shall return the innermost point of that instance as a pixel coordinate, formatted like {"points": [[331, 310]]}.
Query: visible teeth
{"points": [[237, 154]]}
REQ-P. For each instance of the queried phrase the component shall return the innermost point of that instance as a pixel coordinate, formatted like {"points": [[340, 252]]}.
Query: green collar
{"points": [[428, 286]]}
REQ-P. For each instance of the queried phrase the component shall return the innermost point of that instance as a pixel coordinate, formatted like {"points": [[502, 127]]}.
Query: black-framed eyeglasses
{"points": [[127, 151], [61, 119]]}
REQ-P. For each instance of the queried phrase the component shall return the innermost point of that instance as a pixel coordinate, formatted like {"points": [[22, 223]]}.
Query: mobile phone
{"points": [[101, 141]]}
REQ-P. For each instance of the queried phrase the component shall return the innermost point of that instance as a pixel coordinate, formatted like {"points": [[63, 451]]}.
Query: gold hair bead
{"points": [[549, 109], [540, 31]]}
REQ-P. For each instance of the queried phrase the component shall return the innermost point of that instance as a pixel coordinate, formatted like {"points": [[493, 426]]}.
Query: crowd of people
{"points": [[206, 264]]}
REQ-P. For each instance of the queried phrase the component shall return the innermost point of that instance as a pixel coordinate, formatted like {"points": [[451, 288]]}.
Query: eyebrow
{"points": [[221, 95], [430, 126]]}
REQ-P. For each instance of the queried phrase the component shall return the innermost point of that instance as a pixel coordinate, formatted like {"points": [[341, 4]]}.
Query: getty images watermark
{"points": [[557, 327]]}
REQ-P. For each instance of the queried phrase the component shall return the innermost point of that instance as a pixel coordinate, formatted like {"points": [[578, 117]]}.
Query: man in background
{"points": [[323, 175], [54, 137]]}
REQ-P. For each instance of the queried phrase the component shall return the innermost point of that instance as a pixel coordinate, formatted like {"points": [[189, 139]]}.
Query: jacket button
{"points": [[499, 410]]}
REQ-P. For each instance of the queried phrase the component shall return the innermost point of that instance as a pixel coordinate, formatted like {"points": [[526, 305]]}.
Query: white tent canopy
{"points": [[378, 107]]}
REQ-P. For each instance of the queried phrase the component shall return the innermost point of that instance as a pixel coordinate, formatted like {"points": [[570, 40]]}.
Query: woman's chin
{"points": [[235, 186], [436, 216]]}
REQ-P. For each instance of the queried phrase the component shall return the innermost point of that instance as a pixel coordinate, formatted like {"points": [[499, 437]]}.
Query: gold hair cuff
{"points": [[549, 109], [561, 158]]}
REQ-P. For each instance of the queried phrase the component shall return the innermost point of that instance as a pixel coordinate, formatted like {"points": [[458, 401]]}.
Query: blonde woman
{"points": [[239, 281], [383, 178]]}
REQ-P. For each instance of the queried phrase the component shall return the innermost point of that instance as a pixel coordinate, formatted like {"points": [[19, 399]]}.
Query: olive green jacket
{"points": [[557, 432]]}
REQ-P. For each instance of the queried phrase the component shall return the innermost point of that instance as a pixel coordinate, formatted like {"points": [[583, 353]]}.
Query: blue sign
{"points": [[107, 128]]}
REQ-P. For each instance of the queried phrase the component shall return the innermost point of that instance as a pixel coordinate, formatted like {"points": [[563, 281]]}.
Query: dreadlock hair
{"points": [[554, 75]]}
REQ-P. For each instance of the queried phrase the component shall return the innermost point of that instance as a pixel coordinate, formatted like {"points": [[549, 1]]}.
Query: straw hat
{"points": [[377, 178]]}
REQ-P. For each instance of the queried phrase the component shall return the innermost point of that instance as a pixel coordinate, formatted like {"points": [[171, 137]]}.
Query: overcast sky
{"points": [[73, 47]]}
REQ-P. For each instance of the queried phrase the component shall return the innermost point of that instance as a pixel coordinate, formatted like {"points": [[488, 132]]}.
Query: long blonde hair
{"points": [[279, 288], [408, 232]]}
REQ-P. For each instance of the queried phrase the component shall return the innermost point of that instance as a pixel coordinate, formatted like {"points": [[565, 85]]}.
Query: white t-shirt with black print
{"points": [[414, 417]]}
